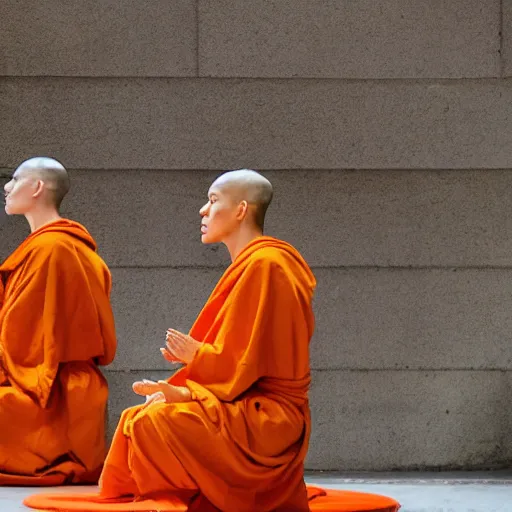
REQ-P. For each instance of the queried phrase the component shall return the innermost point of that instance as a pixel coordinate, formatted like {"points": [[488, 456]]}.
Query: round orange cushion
{"points": [[321, 500]]}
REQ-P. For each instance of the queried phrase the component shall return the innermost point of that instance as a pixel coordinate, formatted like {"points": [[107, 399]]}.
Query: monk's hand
{"points": [[171, 394], [180, 347], [155, 398]]}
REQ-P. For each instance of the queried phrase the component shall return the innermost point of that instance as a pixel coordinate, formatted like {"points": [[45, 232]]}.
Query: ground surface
{"points": [[417, 492]]}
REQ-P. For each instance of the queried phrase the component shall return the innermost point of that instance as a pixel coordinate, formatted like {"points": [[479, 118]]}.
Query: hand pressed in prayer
{"points": [[179, 347], [161, 391]]}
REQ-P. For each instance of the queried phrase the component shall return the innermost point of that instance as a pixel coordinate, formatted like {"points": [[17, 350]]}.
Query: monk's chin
{"points": [[9, 211], [206, 240]]}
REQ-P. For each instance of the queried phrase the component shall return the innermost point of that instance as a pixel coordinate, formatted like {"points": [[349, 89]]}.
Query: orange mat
{"points": [[321, 500]]}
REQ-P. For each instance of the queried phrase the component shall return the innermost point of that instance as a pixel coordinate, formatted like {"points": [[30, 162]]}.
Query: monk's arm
{"points": [[243, 348], [3, 375], [49, 318]]}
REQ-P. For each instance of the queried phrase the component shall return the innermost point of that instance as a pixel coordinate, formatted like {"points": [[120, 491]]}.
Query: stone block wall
{"points": [[386, 129]]}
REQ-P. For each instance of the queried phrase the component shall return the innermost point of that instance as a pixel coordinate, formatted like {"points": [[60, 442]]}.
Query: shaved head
{"points": [[51, 172], [248, 185]]}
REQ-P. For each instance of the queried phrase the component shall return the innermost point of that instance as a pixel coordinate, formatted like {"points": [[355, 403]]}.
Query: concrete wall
{"points": [[385, 127]]}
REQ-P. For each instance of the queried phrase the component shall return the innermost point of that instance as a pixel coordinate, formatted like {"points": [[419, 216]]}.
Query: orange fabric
{"points": [[321, 500], [240, 444], [243, 439], [56, 325]]}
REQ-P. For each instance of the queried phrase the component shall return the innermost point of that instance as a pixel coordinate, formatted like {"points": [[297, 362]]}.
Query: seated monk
{"points": [[229, 431], [56, 325]]}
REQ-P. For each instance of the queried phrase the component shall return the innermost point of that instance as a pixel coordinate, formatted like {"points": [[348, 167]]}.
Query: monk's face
{"points": [[19, 192], [220, 216]]}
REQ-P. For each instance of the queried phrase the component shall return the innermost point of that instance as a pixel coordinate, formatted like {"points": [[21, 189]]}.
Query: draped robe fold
{"points": [[56, 326]]}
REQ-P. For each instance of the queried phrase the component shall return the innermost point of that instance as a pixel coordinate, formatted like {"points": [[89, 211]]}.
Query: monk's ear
{"points": [[243, 207], [39, 187]]}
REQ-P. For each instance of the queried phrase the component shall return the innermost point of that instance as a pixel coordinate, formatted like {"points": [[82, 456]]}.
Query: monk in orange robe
{"points": [[229, 431], [56, 326]]}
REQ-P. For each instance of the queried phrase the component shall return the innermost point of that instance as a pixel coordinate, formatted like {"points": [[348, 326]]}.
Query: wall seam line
{"points": [[198, 71]]}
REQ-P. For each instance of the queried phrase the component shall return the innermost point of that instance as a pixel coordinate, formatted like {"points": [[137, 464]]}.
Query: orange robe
{"points": [[239, 444], [56, 325]]}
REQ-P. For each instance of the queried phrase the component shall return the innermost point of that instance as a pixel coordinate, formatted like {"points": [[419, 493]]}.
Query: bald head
{"points": [[248, 185], [52, 173]]}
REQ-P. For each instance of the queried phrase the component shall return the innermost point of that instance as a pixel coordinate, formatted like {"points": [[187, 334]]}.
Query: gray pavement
{"points": [[417, 492]]}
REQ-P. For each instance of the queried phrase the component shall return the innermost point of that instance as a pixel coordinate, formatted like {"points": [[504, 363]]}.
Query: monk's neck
{"points": [[238, 241], [39, 219]]}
